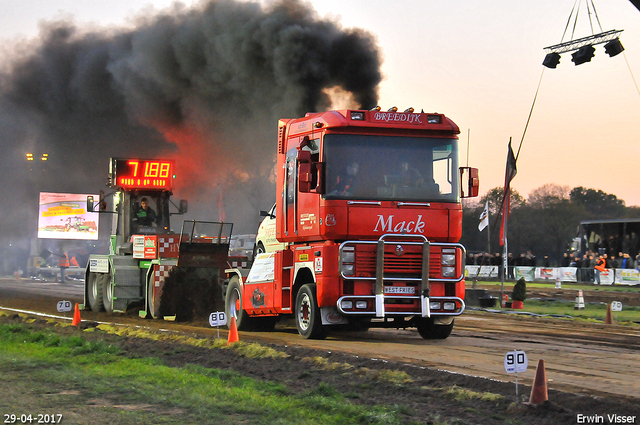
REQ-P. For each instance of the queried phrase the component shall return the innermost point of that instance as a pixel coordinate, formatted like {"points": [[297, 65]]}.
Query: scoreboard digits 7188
{"points": [[142, 173]]}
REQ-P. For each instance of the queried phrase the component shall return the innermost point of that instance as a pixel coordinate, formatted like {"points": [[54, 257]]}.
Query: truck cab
{"points": [[368, 214]]}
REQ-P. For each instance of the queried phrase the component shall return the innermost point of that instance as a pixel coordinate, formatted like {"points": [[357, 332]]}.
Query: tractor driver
{"points": [[145, 215]]}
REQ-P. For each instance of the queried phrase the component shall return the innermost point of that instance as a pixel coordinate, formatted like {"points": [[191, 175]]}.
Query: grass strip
{"points": [[93, 382]]}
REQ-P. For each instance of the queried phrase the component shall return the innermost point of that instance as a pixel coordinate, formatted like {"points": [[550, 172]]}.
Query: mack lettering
{"points": [[386, 225]]}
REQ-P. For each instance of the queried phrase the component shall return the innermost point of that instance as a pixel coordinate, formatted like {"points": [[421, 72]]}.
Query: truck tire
{"points": [[233, 305], [94, 292], [307, 313], [429, 330], [107, 292]]}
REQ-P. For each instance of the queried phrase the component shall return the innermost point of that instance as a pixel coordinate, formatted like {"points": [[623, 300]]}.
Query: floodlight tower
{"points": [[583, 48]]}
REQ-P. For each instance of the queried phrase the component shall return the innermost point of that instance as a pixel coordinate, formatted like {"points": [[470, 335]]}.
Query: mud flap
{"points": [[331, 316]]}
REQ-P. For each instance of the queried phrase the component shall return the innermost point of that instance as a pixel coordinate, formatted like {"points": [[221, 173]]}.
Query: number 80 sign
{"points": [[516, 361]]}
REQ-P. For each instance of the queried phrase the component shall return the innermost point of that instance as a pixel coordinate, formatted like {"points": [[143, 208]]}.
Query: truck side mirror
{"points": [[184, 206], [89, 203], [469, 178]]}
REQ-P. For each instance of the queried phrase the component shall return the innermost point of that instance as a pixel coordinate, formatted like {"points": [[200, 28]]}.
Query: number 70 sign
{"points": [[516, 361]]}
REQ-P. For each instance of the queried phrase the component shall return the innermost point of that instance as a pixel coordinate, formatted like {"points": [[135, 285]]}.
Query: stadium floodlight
{"points": [[584, 48]]}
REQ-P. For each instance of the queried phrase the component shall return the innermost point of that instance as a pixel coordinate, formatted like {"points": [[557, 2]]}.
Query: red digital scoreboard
{"points": [[142, 173]]}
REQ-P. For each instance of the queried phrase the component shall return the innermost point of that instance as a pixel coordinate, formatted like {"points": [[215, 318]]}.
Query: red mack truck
{"points": [[368, 216]]}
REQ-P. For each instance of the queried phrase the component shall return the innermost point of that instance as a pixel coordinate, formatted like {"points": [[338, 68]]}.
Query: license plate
{"points": [[399, 290]]}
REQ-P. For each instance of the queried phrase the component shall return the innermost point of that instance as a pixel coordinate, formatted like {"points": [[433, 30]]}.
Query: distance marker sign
{"points": [[64, 306], [516, 361], [218, 319]]}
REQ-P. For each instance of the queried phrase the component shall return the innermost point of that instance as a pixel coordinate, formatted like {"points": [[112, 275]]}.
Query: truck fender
{"points": [[230, 273], [302, 276]]}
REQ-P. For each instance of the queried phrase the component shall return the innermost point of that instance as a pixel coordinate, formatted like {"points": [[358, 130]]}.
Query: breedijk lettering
{"points": [[397, 117], [387, 225]]}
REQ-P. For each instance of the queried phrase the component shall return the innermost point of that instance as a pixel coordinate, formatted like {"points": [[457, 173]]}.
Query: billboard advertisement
{"points": [[64, 216]]}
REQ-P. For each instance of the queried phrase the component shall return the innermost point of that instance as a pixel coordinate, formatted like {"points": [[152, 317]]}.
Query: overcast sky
{"points": [[480, 64]]}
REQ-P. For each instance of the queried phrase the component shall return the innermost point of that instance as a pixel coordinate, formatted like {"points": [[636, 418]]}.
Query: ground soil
{"points": [[427, 397]]}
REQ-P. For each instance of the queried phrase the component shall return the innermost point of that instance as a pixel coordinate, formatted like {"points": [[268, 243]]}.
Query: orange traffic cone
{"points": [[539, 392], [233, 331], [608, 319], [76, 316]]}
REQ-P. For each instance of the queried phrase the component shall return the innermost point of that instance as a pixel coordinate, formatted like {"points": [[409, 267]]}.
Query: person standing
{"points": [[599, 267], [63, 264]]}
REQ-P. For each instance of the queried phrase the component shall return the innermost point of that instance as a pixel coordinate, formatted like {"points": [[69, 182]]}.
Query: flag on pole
{"points": [[484, 217], [506, 200]]}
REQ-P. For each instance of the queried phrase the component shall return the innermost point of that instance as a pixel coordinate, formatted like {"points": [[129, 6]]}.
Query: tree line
{"points": [[544, 223]]}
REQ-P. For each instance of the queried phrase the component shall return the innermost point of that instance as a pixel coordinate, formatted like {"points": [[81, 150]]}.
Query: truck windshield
{"points": [[391, 168]]}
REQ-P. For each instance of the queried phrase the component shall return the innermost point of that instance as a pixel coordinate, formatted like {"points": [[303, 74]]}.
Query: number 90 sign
{"points": [[516, 361]]}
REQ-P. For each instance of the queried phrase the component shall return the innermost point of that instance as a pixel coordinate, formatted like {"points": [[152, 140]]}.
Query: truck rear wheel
{"points": [[307, 313], [233, 305], [94, 292], [428, 329]]}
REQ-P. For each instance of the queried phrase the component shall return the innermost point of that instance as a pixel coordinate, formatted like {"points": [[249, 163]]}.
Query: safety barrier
{"points": [[553, 274]]}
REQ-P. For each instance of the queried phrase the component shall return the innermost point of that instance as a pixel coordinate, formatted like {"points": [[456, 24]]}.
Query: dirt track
{"points": [[581, 358]]}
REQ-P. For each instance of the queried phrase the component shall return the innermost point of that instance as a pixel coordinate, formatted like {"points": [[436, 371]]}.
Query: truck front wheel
{"points": [[233, 305], [429, 329], [307, 313], [94, 292]]}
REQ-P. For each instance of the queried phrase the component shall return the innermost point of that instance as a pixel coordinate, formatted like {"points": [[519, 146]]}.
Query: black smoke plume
{"points": [[204, 86]]}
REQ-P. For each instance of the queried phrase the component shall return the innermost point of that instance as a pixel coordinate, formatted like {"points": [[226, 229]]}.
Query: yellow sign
{"points": [[303, 257]]}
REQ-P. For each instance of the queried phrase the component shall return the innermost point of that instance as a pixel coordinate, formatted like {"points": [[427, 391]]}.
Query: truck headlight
{"points": [[347, 269], [361, 304], [347, 258], [448, 271], [346, 304], [448, 259]]}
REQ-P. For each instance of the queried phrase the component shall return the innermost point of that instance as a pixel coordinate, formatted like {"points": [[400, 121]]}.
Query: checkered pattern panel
{"points": [[160, 273], [168, 246], [237, 264]]}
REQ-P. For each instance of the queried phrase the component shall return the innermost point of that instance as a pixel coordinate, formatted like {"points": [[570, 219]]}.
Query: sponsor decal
{"points": [[330, 220], [99, 265], [333, 316], [257, 299], [388, 225], [408, 118]]}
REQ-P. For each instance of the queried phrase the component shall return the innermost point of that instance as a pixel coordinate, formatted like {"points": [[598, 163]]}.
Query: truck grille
{"points": [[409, 264]]}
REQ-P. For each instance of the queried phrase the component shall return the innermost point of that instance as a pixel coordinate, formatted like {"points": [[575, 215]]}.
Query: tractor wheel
{"points": [[429, 330], [94, 292], [307, 313], [151, 305], [107, 291]]}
